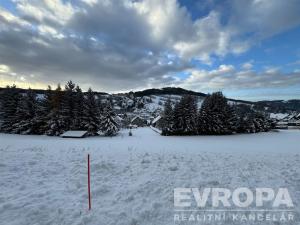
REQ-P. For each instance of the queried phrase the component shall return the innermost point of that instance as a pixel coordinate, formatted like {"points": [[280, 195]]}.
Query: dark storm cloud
{"points": [[80, 59], [115, 25], [108, 48], [264, 18], [121, 45]]}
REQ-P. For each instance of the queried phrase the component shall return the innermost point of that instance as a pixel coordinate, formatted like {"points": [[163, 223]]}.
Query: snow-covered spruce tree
{"points": [[10, 98], [43, 110], [185, 115], [109, 126], [206, 124], [191, 110], [230, 119], [261, 122], [245, 116], [91, 115], [79, 109], [68, 106], [167, 118], [55, 124], [246, 124], [251, 121], [216, 116], [26, 115], [178, 120]]}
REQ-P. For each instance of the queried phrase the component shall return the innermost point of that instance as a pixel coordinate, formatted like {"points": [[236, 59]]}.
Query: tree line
{"points": [[55, 112], [215, 117]]}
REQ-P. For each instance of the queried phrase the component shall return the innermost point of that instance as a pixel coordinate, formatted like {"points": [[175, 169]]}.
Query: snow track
{"points": [[44, 179]]}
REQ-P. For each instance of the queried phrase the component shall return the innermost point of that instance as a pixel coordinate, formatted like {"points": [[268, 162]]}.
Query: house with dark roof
{"points": [[74, 134], [291, 121]]}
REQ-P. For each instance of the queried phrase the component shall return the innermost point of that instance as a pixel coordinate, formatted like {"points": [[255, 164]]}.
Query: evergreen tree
{"points": [[44, 110], [79, 109], [9, 104], [178, 123], [68, 106], [251, 121], [46, 102], [91, 113], [109, 126], [55, 125], [230, 119], [261, 123], [26, 115], [216, 116], [206, 123], [59, 111], [167, 118], [191, 109], [245, 122], [185, 113]]}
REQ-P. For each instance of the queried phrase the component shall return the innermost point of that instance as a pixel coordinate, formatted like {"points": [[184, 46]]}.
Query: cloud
{"points": [[4, 69], [247, 66], [107, 44], [116, 45], [46, 31], [8, 18], [45, 11], [90, 2], [264, 18], [226, 77]]}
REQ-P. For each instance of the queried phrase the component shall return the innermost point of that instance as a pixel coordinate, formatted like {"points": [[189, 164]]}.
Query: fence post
{"points": [[89, 183]]}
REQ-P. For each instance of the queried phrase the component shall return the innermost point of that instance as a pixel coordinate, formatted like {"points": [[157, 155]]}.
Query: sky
{"points": [[249, 49]]}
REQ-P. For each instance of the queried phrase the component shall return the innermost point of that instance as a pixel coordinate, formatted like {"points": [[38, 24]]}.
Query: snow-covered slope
{"points": [[44, 179], [278, 116], [146, 106]]}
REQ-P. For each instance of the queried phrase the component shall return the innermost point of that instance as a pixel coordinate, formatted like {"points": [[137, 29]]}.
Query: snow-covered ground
{"points": [[43, 180]]}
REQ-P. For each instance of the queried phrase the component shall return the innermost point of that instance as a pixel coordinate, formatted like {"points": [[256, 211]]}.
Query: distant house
{"points": [[292, 117], [138, 121], [74, 134], [291, 121], [278, 116], [281, 125], [157, 122]]}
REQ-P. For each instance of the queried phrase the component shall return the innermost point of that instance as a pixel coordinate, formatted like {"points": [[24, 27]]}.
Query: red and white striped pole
{"points": [[89, 183]]}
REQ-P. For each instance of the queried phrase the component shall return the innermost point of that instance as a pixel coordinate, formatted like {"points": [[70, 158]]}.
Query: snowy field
{"points": [[44, 181]]}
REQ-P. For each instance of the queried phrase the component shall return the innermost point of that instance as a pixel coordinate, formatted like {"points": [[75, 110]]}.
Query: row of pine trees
{"points": [[56, 112], [215, 117], [71, 109]]}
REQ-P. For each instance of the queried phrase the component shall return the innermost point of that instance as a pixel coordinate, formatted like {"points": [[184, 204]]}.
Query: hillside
{"points": [[149, 103]]}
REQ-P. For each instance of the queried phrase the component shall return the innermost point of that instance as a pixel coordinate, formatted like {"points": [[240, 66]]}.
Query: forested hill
{"points": [[275, 106], [177, 91], [147, 92], [167, 91], [279, 106]]}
